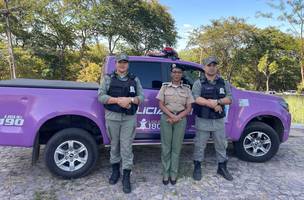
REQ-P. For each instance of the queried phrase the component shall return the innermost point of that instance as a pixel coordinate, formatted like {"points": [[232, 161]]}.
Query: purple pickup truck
{"points": [[67, 117]]}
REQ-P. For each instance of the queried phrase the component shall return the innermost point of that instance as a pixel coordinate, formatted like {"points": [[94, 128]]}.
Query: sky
{"points": [[190, 14]]}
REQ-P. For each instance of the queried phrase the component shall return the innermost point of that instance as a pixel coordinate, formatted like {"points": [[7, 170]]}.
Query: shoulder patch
{"points": [[131, 76], [221, 80], [166, 83]]}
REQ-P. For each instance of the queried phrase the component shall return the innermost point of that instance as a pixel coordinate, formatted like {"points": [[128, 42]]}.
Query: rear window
{"points": [[149, 73]]}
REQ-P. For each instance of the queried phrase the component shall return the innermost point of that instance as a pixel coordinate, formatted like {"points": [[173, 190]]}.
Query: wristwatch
{"points": [[219, 102]]}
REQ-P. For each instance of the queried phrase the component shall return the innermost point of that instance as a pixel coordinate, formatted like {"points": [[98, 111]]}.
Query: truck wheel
{"points": [[71, 153], [258, 143]]}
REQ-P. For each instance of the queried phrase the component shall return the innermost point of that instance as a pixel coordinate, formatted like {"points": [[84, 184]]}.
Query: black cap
{"points": [[122, 57], [209, 60], [174, 66]]}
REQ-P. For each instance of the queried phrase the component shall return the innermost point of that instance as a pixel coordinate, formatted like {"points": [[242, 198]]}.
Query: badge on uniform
{"points": [[222, 91], [132, 89]]}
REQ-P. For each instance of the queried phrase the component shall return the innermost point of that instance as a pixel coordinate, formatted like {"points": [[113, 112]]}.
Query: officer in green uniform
{"points": [[121, 93], [175, 99], [211, 94]]}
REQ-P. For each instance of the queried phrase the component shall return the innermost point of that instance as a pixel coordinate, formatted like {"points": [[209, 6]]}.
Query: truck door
{"points": [[151, 75]]}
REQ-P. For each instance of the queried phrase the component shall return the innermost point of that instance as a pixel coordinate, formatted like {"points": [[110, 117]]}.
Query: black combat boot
{"points": [[197, 172], [115, 174], [126, 185], [222, 170]]}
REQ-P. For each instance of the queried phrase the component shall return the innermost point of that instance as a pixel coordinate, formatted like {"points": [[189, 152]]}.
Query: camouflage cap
{"points": [[209, 60], [122, 57]]}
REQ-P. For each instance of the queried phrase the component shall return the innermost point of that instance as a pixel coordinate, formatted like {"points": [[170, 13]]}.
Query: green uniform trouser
{"points": [[172, 136], [122, 134], [205, 127]]}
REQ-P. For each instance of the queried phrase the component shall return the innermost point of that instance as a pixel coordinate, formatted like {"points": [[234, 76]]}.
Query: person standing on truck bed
{"points": [[211, 94], [175, 99], [121, 93]]}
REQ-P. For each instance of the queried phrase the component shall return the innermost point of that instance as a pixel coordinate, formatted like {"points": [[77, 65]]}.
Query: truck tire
{"points": [[259, 143], [71, 153]]}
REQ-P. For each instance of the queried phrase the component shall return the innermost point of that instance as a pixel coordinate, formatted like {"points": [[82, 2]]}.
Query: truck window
{"points": [[149, 73]]}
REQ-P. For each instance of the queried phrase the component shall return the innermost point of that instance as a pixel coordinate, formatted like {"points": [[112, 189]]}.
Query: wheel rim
{"points": [[71, 155], [257, 143]]}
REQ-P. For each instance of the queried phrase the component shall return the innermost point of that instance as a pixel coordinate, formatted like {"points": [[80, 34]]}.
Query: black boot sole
{"points": [[113, 182], [166, 182], [225, 177]]}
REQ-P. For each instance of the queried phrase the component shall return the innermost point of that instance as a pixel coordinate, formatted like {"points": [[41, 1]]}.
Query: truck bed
{"points": [[51, 84]]}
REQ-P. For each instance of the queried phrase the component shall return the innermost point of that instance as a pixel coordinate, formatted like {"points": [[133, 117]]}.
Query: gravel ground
{"points": [[280, 178]]}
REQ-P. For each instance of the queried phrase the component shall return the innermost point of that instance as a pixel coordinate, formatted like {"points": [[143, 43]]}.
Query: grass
{"points": [[45, 195], [296, 107]]}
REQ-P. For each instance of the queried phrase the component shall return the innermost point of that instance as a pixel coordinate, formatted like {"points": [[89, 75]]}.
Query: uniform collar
{"points": [[215, 79], [121, 76], [175, 86]]}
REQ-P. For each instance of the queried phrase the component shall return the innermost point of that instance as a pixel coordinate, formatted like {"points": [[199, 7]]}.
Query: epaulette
{"points": [[166, 83], [111, 75], [186, 85]]}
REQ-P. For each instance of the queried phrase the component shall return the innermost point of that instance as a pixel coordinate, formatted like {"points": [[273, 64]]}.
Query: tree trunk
{"points": [[83, 43], [267, 83], [10, 43], [302, 73], [61, 62]]}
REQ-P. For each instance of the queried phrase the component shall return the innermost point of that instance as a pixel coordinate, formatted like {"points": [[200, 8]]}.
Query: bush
{"points": [[300, 88]]}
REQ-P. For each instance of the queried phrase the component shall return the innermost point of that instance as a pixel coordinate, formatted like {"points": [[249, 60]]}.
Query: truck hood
{"points": [[255, 94]]}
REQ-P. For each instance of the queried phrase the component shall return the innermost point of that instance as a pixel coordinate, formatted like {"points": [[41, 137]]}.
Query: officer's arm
{"points": [[196, 91], [165, 109], [140, 92], [189, 102], [186, 111], [161, 97], [227, 100], [103, 97]]}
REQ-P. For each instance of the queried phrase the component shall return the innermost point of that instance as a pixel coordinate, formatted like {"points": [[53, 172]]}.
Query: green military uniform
{"points": [[120, 127], [206, 126], [175, 99]]}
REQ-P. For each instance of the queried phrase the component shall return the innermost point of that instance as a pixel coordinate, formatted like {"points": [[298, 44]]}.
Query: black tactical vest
{"points": [[210, 91], [119, 88]]}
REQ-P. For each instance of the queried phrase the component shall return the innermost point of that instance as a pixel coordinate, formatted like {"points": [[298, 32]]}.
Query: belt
{"points": [[176, 113]]}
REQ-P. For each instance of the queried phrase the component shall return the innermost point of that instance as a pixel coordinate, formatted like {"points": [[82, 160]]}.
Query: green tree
{"points": [[267, 68], [223, 38], [142, 25], [291, 12]]}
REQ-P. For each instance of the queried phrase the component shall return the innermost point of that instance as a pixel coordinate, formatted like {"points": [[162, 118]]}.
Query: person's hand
{"points": [[218, 108], [212, 103], [170, 120], [176, 118], [124, 102]]}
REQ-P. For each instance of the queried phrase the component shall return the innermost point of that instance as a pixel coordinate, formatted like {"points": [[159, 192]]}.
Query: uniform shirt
{"points": [[209, 124], [175, 97], [103, 97]]}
